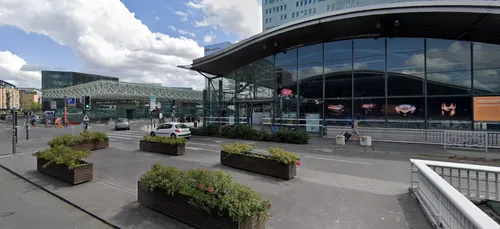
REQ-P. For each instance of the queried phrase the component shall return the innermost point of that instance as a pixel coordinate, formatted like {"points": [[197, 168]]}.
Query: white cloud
{"points": [[108, 37], [15, 70], [157, 18], [243, 18], [182, 32], [208, 38], [183, 15]]}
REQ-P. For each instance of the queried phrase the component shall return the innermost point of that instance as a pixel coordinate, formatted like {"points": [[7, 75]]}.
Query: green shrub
{"points": [[84, 137], [290, 136], [211, 191], [62, 155], [248, 133], [165, 140], [283, 156], [237, 148]]}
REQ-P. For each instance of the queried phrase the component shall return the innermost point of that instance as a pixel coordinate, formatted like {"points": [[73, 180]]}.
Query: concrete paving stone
{"points": [[314, 199], [24, 205]]}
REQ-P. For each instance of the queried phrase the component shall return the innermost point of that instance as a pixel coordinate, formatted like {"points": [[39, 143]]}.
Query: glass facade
{"points": [[384, 82], [56, 79]]}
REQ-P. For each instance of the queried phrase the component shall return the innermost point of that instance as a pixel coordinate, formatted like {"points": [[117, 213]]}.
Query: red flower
{"points": [[200, 186], [267, 206], [210, 189], [297, 162]]}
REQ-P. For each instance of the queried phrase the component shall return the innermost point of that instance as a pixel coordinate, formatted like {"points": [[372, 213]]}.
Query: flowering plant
{"points": [[211, 191]]}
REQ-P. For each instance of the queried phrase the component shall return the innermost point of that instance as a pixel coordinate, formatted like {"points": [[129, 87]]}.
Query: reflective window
{"points": [[486, 68], [449, 112], [448, 67], [286, 78], [405, 66], [370, 112], [369, 67], [405, 112], [338, 112], [311, 86], [338, 69]]}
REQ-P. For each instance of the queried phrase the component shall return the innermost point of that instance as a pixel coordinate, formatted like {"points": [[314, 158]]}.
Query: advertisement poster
{"points": [[312, 122], [487, 108]]}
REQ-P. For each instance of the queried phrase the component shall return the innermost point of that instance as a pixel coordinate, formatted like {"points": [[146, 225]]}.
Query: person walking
{"points": [[355, 129]]}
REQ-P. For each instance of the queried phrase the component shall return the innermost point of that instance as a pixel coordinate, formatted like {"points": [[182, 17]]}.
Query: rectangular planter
{"points": [[259, 165], [178, 207], [157, 147], [73, 176], [91, 146]]}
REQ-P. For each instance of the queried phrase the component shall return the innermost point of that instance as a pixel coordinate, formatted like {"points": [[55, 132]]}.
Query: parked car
{"points": [[172, 129], [122, 124]]}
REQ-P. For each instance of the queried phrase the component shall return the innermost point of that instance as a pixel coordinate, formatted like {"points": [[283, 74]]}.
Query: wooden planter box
{"points": [[157, 147], [259, 165], [91, 146], [178, 207], [73, 176]]}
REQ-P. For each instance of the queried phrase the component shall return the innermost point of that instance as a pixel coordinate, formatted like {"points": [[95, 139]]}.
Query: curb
{"points": [[60, 197]]}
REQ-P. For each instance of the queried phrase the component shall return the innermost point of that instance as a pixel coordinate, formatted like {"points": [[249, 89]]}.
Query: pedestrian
{"points": [[355, 129]]}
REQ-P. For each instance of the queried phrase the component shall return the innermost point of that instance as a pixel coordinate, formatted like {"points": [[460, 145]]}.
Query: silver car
{"points": [[122, 124]]}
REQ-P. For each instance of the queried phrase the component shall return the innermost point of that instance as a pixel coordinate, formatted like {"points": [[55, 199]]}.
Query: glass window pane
{"points": [[338, 69], [405, 70], [311, 87], [338, 112], [406, 113], [449, 112], [286, 77], [370, 112], [369, 67], [486, 68], [448, 67]]}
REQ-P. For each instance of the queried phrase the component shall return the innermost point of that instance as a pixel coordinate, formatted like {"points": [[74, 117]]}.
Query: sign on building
{"points": [[152, 102], [53, 105], [71, 102]]}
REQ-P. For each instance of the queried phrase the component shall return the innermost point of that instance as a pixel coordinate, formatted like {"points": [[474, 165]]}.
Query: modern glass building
{"points": [[404, 65], [59, 79]]}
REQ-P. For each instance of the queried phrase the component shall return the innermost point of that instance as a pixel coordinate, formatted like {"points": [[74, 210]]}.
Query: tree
{"points": [[33, 106]]}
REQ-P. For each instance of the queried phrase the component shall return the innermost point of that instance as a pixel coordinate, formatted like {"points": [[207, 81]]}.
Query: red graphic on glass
{"points": [[368, 107], [448, 109], [286, 92], [336, 108], [404, 109]]}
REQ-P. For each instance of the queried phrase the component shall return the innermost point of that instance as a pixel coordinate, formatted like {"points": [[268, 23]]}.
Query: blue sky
{"points": [[105, 38]]}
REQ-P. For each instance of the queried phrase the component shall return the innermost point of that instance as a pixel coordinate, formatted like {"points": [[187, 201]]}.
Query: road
{"points": [[23, 205], [335, 187]]}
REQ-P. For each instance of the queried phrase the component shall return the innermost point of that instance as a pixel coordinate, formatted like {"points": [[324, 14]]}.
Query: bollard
{"points": [[27, 132], [14, 140]]}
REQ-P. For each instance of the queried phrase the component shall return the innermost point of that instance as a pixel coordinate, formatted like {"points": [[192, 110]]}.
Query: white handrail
{"points": [[473, 214], [472, 167]]}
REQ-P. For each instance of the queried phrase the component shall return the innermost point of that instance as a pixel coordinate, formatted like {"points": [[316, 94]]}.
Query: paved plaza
{"points": [[336, 187]]}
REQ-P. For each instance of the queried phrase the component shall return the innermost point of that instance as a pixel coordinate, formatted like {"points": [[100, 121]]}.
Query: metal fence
{"points": [[441, 195], [448, 138]]}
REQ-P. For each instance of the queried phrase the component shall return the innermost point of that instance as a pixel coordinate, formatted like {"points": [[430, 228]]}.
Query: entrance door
{"points": [[130, 114]]}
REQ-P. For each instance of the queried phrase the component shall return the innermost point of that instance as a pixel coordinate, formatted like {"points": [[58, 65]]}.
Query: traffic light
{"points": [[86, 102], [174, 104]]}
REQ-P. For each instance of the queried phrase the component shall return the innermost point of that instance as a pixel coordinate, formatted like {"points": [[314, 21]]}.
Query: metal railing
{"points": [[448, 138], [444, 201]]}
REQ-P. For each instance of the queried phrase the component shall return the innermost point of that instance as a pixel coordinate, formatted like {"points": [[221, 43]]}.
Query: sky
{"points": [[139, 41]]}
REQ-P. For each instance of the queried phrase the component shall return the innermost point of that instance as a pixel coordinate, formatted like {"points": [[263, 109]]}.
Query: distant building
{"points": [[9, 96], [59, 79], [29, 95]]}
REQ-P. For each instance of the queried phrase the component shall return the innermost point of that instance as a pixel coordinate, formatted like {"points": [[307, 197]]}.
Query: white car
{"points": [[171, 129]]}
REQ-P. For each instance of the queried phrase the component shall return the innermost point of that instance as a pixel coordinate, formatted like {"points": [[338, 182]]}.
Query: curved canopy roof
{"points": [[453, 20], [113, 90]]}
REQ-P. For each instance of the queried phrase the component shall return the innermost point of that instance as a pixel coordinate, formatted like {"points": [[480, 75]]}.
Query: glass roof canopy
{"points": [[112, 90]]}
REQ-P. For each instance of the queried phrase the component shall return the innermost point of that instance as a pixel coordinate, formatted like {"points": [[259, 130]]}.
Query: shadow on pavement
{"points": [[413, 213], [255, 176], [133, 216], [43, 180]]}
